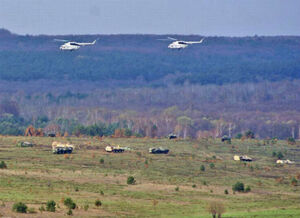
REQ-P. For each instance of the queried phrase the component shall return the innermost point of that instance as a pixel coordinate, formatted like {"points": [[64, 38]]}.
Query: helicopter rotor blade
{"points": [[61, 40]]}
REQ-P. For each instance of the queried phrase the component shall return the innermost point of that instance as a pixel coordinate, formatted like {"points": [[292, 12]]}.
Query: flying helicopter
{"points": [[71, 46], [178, 44]]}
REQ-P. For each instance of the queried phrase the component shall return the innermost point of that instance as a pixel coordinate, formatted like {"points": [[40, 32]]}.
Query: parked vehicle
{"points": [[159, 150], [113, 149], [60, 148]]}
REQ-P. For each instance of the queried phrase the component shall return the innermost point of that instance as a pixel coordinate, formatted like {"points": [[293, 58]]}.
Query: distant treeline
{"points": [[218, 60]]}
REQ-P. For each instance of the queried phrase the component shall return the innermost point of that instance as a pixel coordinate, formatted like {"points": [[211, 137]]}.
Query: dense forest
{"points": [[133, 85], [219, 60]]}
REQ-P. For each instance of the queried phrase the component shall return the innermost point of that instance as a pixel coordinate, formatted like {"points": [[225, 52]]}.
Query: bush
{"points": [[101, 192], [70, 213], [130, 180], [42, 208], [226, 192], [294, 181], [50, 206], [212, 165], [20, 207], [101, 161], [31, 210], [239, 186], [194, 186], [291, 141], [177, 189], [279, 155], [86, 207], [69, 203], [248, 189], [98, 203], [202, 168], [3, 165], [239, 136], [76, 189]]}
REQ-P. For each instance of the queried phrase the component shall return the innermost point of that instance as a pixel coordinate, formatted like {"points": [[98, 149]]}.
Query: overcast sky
{"points": [[204, 17]]}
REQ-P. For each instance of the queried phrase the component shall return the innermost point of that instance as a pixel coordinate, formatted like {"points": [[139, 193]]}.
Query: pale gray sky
{"points": [[205, 17]]}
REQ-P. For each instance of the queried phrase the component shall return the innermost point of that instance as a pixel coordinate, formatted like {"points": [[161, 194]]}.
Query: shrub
{"points": [[101, 192], [216, 208], [76, 189], [20, 207], [70, 213], [239, 186], [226, 192], [291, 141], [279, 155], [212, 165], [248, 189], [31, 210], [239, 136], [69, 203], [194, 186], [202, 168], [101, 161], [3, 165], [177, 188], [249, 134], [274, 154], [130, 180], [42, 208], [86, 207], [50, 206], [294, 181], [98, 203]]}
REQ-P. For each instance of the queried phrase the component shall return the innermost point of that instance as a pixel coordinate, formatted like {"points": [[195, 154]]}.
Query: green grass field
{"points": [[34, 175]]}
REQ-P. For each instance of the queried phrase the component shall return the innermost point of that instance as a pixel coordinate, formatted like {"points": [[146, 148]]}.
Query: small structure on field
{"points": [[172, 136]]}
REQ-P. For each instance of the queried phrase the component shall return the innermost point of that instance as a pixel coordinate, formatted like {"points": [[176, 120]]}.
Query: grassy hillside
{"points": [[35, 175], [218, 60]]}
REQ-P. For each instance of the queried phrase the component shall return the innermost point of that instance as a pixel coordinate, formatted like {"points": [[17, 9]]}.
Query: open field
{"points": [[35, 175]]}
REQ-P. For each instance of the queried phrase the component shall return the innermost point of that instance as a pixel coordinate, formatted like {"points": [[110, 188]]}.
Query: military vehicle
{"points": [[25, 144], [242, 158], [226, 138], [159, 150], [113, 149], [172, 136], [60, 148]]}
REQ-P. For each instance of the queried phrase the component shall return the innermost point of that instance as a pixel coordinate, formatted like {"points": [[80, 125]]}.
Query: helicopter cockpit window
{"points": [[182, 43], [73, 43]]}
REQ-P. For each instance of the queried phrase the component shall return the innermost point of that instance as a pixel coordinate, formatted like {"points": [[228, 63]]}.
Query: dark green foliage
{"points": [[219, 60], [12, 125], [291, 140], [69, 203], [70, 213], [131, 180], [212, 165], [177, 188], [239, 136], [239, 186], [249, 134], [248, 189], [76, 189], [194, 186], [99, 129], [280, 155], [98, 203], [101, 161], [202, 168], [3, 165], [294, 181], [50, 206], [274, 154], [20, 207], [226, 192]]}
